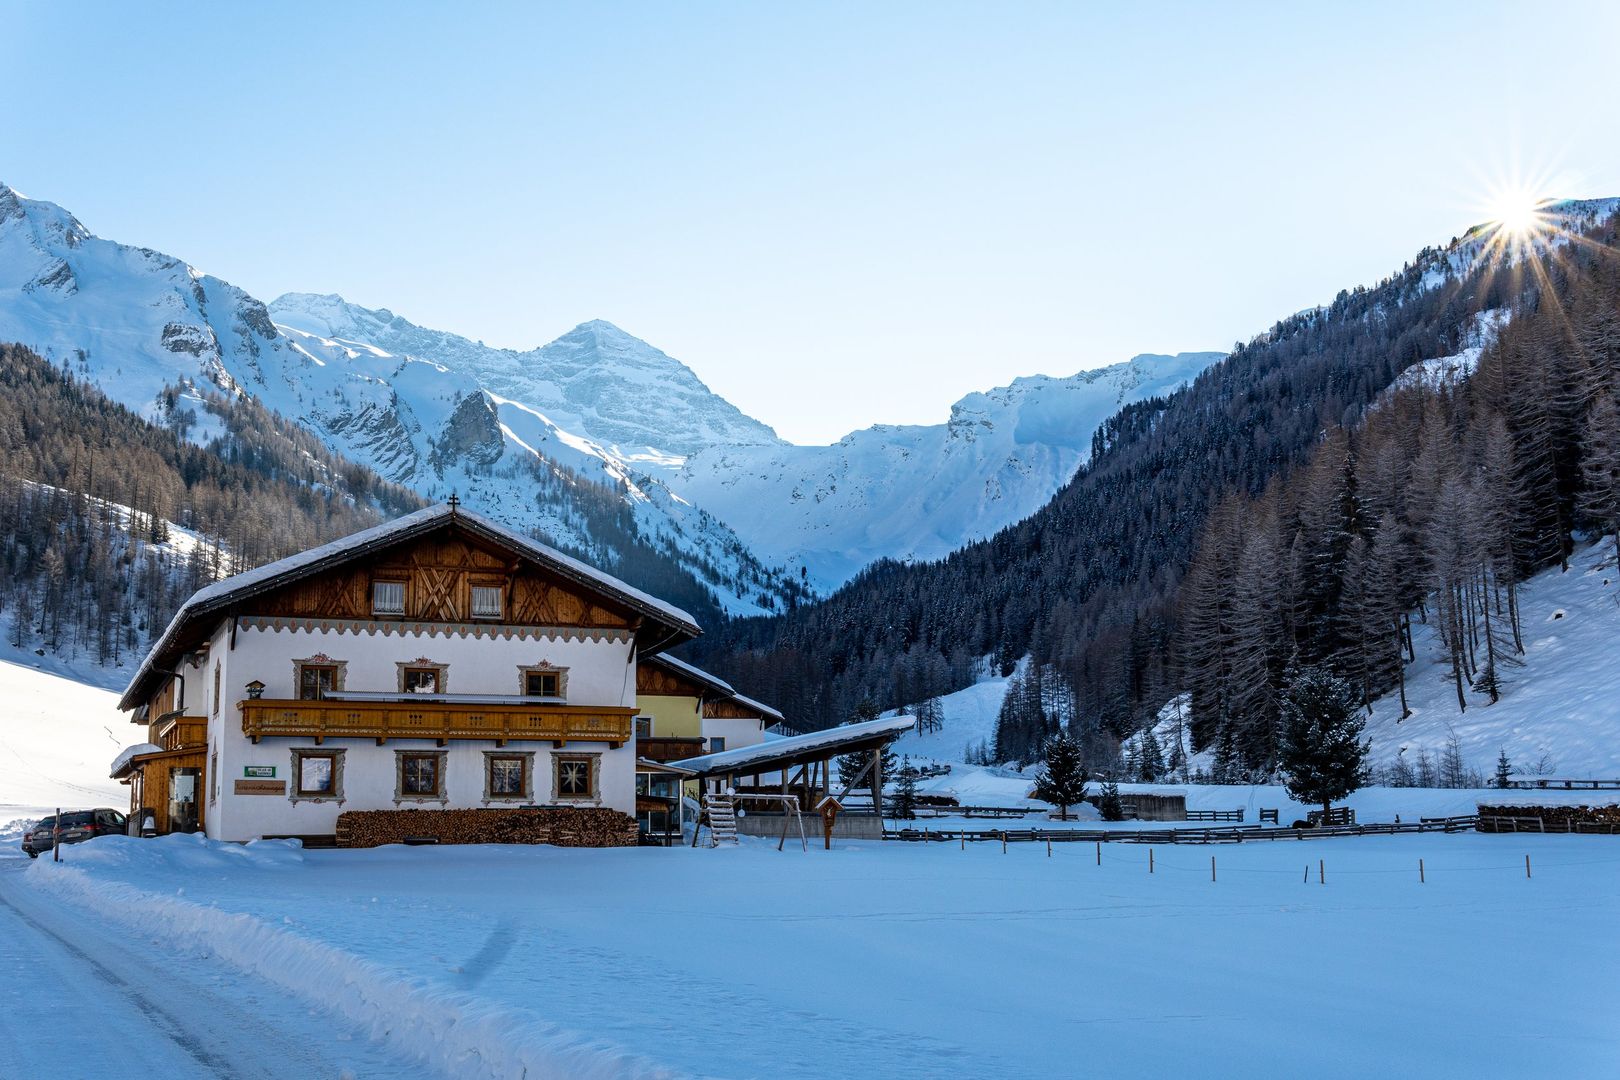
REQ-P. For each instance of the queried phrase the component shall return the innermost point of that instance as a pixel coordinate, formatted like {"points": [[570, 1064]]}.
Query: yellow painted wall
{"points": [[673, 717]]}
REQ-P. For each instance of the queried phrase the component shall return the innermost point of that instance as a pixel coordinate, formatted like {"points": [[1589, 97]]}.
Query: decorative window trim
{"points": [[215, 702], [340, 673], [399, 777], [295, 781], [544, 667], [400, 611], [213, 776], [419, 663], [527, 757], [595, 760]]}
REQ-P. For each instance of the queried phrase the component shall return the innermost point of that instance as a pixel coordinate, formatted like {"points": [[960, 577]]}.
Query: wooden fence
{"points": [[1238, 834], [1215, 815]]}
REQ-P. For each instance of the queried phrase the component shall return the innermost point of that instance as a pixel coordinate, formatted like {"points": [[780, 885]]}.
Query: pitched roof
{"points": [[213, 599], [713, 682], [777, 753]]}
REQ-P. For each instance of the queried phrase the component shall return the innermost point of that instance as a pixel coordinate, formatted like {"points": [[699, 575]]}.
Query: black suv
{"points": [[76, 826]]}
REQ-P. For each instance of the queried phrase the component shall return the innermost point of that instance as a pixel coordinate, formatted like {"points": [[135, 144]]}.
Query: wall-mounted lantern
{"points": [[255, 690]]}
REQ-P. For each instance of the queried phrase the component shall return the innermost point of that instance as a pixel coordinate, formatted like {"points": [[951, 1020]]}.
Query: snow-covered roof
{"points": [[271, 575], [695, 673], [774, 752], [715, 682], [750, 703], [120, 764]]}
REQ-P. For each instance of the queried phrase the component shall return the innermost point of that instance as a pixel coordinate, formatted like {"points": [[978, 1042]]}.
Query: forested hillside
{"points": [[89, 565], [1448, 495], [1091, 586]]}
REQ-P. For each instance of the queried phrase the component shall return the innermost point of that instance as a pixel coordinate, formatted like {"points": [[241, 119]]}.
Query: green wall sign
{"points": [[259, 772]]}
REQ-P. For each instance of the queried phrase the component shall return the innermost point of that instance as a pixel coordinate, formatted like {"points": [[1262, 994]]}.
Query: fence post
{"points": [[1420, 872], [1212, 868], [1099, 853], [1150, 860], [1321, 871], [1048, 847], [1004, 841], [1307, 879], [56, 837], [1527, 866]]}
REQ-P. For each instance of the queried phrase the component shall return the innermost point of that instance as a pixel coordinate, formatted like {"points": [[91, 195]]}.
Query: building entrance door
{"points": [[184, 786]]}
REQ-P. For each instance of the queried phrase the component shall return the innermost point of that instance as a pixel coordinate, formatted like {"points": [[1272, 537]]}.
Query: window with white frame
{"points": [[486, 601], [388, 597]]}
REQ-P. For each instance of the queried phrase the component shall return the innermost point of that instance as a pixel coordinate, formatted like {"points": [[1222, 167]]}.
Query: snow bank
{"points": [[457, 1032]]}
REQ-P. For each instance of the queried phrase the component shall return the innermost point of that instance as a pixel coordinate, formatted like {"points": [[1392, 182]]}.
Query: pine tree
{"points": [[905, 793], [1504, 768], [1323, 756], [1108, 803], [1150, 760], [1063, 776]]}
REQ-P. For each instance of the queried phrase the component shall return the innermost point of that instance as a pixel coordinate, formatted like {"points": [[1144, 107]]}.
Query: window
{"points": [[486, 601], [716, 744], [317, 775], [542, 684], [576, 776], [215, 702], [388, 598], [418, 680], [421, 775], [508, 776], [316, 680], [643, 727], [213, 768]]}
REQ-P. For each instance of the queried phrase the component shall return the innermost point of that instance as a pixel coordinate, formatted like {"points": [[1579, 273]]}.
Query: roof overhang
{"points": [[778, 754]]}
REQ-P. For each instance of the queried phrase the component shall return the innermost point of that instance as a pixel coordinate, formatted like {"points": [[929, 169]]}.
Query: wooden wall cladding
{"points": [[439, 573], [661, 682]]}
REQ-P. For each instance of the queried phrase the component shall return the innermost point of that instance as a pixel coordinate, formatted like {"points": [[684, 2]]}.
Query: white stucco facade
{"points": [[599, 670]]}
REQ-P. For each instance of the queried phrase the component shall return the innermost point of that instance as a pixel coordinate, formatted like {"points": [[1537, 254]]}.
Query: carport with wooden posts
{"points": [[797, 769]]}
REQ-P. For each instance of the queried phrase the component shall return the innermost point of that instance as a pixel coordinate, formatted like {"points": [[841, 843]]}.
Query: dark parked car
{"points": [[77, 826]]}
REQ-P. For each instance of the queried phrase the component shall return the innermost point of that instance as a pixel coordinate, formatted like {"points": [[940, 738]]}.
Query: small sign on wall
{"points": [[261, 787], [259, 772]]}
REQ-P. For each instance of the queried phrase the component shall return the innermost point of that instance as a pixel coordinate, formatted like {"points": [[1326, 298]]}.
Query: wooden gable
{"points": [[656, 680], [729, 709], [439, 572]]}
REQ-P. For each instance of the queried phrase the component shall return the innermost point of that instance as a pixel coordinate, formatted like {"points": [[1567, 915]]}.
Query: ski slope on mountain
{"points": [[1561, 709], [57, 739]]}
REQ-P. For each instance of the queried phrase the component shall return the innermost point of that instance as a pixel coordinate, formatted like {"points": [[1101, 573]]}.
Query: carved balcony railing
{"points": [[440, 721]]}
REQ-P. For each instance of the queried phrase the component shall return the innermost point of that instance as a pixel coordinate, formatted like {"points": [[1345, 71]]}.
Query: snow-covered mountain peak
{"points": [[47, 222], [596, 381]]}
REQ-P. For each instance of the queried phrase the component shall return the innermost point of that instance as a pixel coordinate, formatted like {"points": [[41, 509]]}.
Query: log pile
{"points": [[1554, 818], [563, 826]]}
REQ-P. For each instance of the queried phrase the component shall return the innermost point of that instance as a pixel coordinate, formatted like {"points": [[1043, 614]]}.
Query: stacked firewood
{"points": [[1566, 816], [565, 826]]}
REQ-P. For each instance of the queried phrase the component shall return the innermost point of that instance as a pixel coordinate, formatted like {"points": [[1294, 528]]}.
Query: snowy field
{"points": [[886, 960]]}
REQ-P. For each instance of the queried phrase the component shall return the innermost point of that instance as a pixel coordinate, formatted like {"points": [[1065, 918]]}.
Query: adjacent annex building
{"points": [[440, 661]]}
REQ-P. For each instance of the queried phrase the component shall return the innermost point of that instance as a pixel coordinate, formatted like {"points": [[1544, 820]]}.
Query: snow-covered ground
{"points": [[1562, 704], [900, 960], [57, 739]]}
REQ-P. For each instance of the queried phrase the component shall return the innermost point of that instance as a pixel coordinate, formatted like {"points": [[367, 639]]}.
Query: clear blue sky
{"points": [[836, 214]]}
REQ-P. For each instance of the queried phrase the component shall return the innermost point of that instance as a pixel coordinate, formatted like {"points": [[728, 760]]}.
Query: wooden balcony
{"points": [[437, 720]]}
